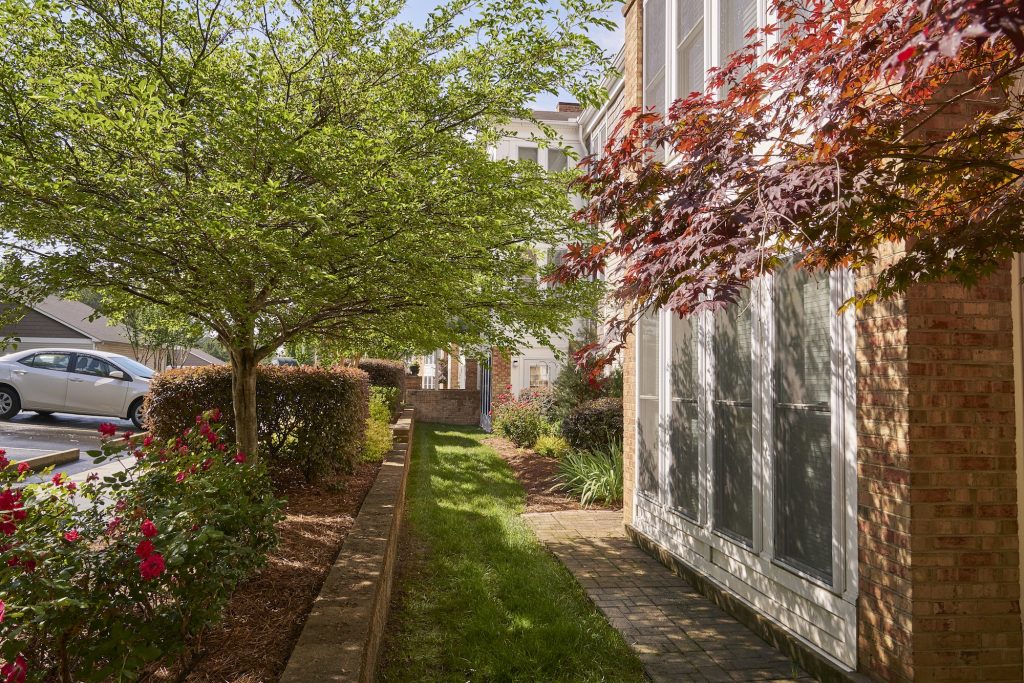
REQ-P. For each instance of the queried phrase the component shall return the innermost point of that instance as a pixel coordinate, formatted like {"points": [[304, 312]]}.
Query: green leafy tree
{"points": [[283, 168]]}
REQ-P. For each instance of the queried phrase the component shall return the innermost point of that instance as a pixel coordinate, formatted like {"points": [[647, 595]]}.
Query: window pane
{"points": [[683, 466], [647, 389], [689, 47], [88, 365], [803, 421], [733, 413], [557, 161], [51, 361], [738, 18], [690, 71], [539, 376], [528, 154], [654, 54]]}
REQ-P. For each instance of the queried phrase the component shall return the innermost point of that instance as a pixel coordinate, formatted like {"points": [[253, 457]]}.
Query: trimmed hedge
{"points": [[384, 373], [593, 425], [311, 419]]}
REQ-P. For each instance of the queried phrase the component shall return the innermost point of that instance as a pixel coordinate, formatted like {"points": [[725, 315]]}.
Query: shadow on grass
{"points": [[487, 602]]}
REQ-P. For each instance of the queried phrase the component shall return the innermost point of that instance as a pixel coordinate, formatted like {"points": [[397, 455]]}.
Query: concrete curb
{"points": [[40, 462], [341, 638]]}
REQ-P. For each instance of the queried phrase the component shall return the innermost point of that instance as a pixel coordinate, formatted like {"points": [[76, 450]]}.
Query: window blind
{"points": [[654, 55], [527, 154], [733, 422], [684, 476], [738, 18], [647, 395], [689, 47], [802, 423]]}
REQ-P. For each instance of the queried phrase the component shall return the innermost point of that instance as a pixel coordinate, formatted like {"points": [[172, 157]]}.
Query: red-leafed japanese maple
{"points": [[843, 127]]}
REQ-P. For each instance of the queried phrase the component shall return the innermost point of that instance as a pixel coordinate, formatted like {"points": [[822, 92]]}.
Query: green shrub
{"points": [[312, 419], [551, 446], [390, 397], [384, 373], [378, 425], [519, 421], [593, 477], [594, 424], [99, 580]]}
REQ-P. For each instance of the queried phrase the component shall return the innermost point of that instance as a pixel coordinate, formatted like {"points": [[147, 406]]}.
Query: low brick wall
{"points": [[446, 406], [341, 639], [413, 382]]}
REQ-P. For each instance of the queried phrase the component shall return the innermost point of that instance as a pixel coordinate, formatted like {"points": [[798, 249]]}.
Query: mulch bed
{"points": [[537, 474], [266, 614]]}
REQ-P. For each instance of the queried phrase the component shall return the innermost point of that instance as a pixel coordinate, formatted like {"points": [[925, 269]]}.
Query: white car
{"points": [[73, 381]]}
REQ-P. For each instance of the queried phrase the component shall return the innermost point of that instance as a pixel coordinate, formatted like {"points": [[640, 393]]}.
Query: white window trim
{"points": [[760, 554]]}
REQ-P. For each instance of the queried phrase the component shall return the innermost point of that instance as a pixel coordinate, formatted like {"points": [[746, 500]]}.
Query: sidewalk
{"points": [[679, 635]]}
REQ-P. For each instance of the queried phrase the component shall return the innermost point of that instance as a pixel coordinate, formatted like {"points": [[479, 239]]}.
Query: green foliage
{"points": [[384, 373], [595, 424], [99, 580], [313, 419], [520, 615], [383, 401], [595, 477], [389, 397], [551, 446], [281, 169], [521, 421], [158, 338]]}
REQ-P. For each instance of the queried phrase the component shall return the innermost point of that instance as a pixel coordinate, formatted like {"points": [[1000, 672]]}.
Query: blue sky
{"points": [[416, 11]]}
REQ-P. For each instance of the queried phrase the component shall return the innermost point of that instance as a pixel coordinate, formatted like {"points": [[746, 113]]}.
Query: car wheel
{"points": [[135, 414], [10, 403]]}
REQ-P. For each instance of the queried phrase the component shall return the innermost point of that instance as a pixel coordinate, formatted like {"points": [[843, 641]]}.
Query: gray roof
{"points": [[76, 315]]}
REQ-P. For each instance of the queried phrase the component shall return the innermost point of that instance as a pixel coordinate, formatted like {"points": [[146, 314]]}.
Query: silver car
{"points": [[73, 381]]}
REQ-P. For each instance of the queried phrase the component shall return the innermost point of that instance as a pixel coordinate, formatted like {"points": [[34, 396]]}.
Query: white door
{"points": [[43, 381], [91, 389]]}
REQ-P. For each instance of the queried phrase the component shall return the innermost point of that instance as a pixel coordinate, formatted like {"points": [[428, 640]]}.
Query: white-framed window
{"points": [[685, 38], [557, 160], [540, 376], [745, 425], [527, 153]]}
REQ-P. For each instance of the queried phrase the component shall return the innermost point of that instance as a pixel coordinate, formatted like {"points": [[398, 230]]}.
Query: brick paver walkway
{"points": [[678, 634]]}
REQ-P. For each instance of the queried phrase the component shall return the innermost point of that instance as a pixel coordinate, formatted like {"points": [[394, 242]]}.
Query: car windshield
{"points": [[134, 368]]}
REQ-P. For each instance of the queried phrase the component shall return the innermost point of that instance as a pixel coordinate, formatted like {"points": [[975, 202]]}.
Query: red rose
{"points": [[71, 536], [180, 477], [149, 529], [4, 462], [113, 524], [240, 458], [148, 441], [144, 549], [58, 479], [107, 429], [14, 672], [152, 566], [207, 464], [23, 467], [128, 434], [72, 486]]}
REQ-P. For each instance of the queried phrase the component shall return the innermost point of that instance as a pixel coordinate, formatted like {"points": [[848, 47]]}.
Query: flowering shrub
{"points": [[99, 579], [311, 419], [520, 420]]}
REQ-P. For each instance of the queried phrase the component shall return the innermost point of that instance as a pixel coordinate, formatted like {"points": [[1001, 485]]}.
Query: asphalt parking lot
{"points": [[29, 434]]}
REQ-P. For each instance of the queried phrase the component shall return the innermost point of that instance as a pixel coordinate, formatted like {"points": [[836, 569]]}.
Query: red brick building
{"points": [[846, 484]]}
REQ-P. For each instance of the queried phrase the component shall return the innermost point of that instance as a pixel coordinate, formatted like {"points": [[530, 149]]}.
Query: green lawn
{"points": [[483, 600]]}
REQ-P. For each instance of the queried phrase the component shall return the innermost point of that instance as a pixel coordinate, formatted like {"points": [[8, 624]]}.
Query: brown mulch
{"points": [[537, 474], [266, 614]]}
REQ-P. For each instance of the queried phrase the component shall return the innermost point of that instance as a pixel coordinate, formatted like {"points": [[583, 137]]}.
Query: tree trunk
{"points": [[243, 399]]}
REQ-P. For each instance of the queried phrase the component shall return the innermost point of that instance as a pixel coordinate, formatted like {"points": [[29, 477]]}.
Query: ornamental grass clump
{"points": [[100, 579], [595, 477]]}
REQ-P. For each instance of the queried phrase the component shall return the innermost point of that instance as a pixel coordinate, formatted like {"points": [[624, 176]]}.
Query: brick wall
{"points": [[413, 382], [446, 406], [501, 374], [884, 607], [472, 373], [939, 565], [632, 10]]}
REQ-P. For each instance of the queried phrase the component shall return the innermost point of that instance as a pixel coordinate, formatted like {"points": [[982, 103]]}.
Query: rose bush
{"points": [[98, 580], [521, 420]]}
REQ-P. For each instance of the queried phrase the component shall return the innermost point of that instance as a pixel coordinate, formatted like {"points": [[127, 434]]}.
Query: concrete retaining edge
{"points": [[342, 635]]}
